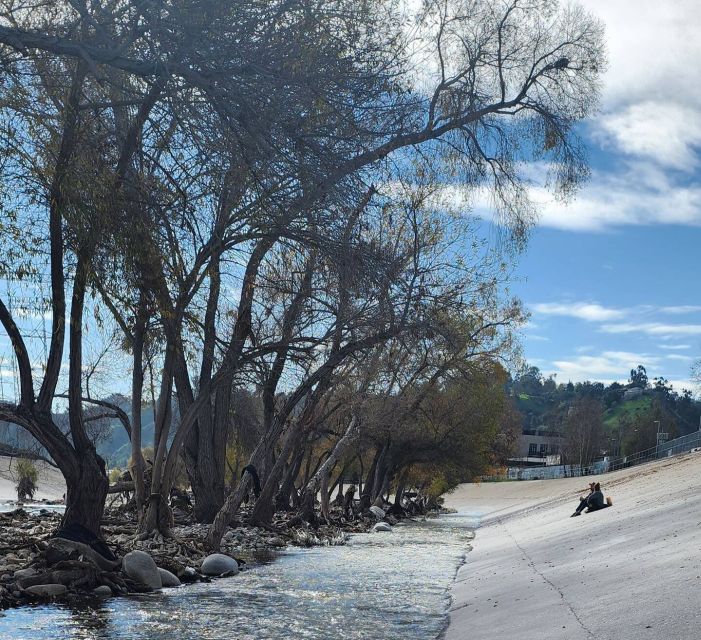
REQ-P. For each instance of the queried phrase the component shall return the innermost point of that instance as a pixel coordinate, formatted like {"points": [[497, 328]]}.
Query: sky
{"points": [[612, 280]]}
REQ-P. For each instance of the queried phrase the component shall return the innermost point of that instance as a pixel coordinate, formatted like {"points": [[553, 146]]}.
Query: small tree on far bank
{"points": [[27, 477], [584, 428]]}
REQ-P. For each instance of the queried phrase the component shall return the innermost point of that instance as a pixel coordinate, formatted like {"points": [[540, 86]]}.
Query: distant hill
{"points": [[632, 413], [113, 445]]}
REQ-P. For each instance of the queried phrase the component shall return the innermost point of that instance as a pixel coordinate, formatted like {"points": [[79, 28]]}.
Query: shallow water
{"points": [[32, 507], [380, 585]]}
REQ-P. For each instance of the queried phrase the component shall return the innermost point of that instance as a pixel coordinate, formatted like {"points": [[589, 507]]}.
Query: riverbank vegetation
{"points": [[266, 207]]}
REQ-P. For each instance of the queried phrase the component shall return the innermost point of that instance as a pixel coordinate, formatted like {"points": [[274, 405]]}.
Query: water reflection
{"points": [[389, 586]]}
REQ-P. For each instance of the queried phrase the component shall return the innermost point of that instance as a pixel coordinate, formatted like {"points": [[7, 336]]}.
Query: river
{"points": [[383, 586]]}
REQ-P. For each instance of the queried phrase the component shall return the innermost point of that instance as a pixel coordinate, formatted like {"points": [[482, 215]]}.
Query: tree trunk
{"points": [[137, 386], [321, 478], [380, 470], [207, 475], [401, 487], [233, 502], [366, 492], [86, 493], [282, 499], [264, 509], [157, 515]]}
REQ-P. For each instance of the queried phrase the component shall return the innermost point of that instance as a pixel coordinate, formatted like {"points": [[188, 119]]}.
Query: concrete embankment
{"points": [[630, 572]]}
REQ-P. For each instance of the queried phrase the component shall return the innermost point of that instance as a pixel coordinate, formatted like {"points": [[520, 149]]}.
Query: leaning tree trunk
{"points": [[401, 487], [366, 491], [233, 502], [377, 482], [320, 480], [264, 509], [282, 498]]}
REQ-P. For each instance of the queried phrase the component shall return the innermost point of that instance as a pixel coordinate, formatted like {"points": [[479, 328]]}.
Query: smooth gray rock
{"points": [[140, 567], [377, 512], [168, 579], [47, 590], [217, 563], [382, 527], [103, 591], [60, 548], [30, 572]]}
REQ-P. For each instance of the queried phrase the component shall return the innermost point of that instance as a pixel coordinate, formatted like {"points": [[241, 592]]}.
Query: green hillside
{"points": [[626, 409]]}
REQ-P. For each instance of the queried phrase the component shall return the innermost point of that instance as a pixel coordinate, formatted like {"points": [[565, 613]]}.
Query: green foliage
{"points": [[114, 475], [639, 431], [626, 410], [626, 422]]}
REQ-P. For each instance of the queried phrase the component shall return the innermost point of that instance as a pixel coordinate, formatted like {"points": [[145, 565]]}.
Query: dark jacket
{"points": [[596, 500]]}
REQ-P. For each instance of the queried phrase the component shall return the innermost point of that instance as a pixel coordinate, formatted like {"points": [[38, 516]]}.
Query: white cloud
{"points": [[681, 309], [651, 111], [654, 329], [582, 310], [679, 384], [674, 347], [653, 46], [613, 366], [666, 133], [609, 363], [638, 194], [680, 358]]}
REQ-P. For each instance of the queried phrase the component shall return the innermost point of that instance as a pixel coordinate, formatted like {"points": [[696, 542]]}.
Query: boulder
{"points": [[47, 590], [103, 591], [89, 545], [59, 549], [141, 568], [381, 527], [377, 512], [168, 579], [30, 572], [217, 563]]}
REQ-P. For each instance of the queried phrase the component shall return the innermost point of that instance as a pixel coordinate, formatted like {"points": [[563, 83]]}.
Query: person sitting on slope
{"points": [[584, 502], [596, 500]]}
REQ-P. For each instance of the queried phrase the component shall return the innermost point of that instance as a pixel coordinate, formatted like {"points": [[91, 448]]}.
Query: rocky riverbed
{"points": [[35, 565], [391, 585]]}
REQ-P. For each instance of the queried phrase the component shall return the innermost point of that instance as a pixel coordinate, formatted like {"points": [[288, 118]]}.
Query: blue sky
{"points": [[612, 280]]}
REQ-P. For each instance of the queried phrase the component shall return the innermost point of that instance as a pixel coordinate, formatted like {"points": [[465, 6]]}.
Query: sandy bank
{"points": [[51, 485], [629, 572]]}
